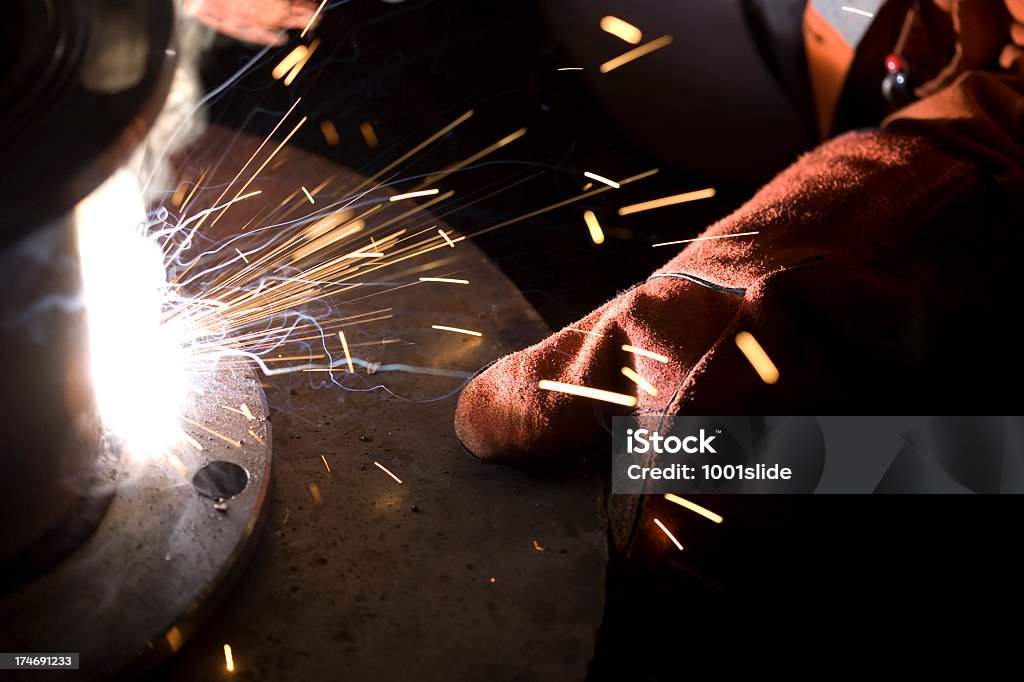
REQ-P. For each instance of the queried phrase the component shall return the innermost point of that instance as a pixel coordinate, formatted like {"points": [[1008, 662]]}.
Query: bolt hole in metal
{"points": [[220, 480]]}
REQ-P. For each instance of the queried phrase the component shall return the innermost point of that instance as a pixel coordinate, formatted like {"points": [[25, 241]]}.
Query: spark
{"points": [[412, 195], [385, 470], [248, 161], [667, 532], [177, 464], [314, 492], [369, 134], [536, 546], [639, 381], [448, 170], [694, 507], [704, 239], [668, 201], [587, 186], [217, 434], [861, 12], [757, 357], [646, 353], [274, 153], [195, 187], [457, 330], [636, 53], [587, 392], [192, 441], [308, 195], [255, 437], [601, 178], [444, 279], [363, 254], [286, 64], [247, 412], [596, 233], [324, 458], [243, 256], [179, 194], [294, 73], [571, 68], [330, 133], [344, 347], [313, 18], [446, 237], [493, 580], [229, 659], [621, 29], [559, 204]]}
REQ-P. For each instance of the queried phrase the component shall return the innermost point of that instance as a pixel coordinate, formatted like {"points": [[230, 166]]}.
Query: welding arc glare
{"points": [[137, 355]]}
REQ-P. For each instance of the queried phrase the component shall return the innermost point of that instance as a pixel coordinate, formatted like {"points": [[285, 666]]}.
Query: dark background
{"points": [[785, 573]]}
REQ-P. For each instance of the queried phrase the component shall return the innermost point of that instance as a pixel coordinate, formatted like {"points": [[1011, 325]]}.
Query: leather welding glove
{"points": [[863, 284], [847, 286]]}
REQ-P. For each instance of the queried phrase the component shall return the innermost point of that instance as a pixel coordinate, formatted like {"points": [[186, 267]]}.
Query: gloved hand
{"points": [[254, 21], [839, 287]]}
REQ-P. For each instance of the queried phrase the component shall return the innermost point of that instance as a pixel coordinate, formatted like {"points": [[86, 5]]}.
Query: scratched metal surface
{"points": [[382, 580]]}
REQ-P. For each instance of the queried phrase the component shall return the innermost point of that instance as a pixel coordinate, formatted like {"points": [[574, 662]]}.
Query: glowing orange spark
{"points": [[446, 237], [385, 470], [602, 179], [587, 392], [179, 194], [668, 201], [667, 532], [178, 465], [493, 580], [694, 507], [757, 357], [344, 347], [621, 29], [255, 437], [293, 74], [702, 239], [646, 353], [571, 68], [457, 330], [247, 412], [313, 18], [229, 659], [596, 233], [308, 195], [636, 53], [324, 458], [631, 374], [243, 256], [536, 546], [369, 134], [314, 492], [444, 279], [216, 434], [413, 195], [286, 64], [192, 441], [330, 133]]}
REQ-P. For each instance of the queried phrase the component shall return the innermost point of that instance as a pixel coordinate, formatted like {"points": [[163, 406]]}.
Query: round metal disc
{"points": [[166, 551]]}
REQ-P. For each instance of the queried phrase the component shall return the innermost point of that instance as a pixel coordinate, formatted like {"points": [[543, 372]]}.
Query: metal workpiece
{"points": [[163, 554], [462, 570]]}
